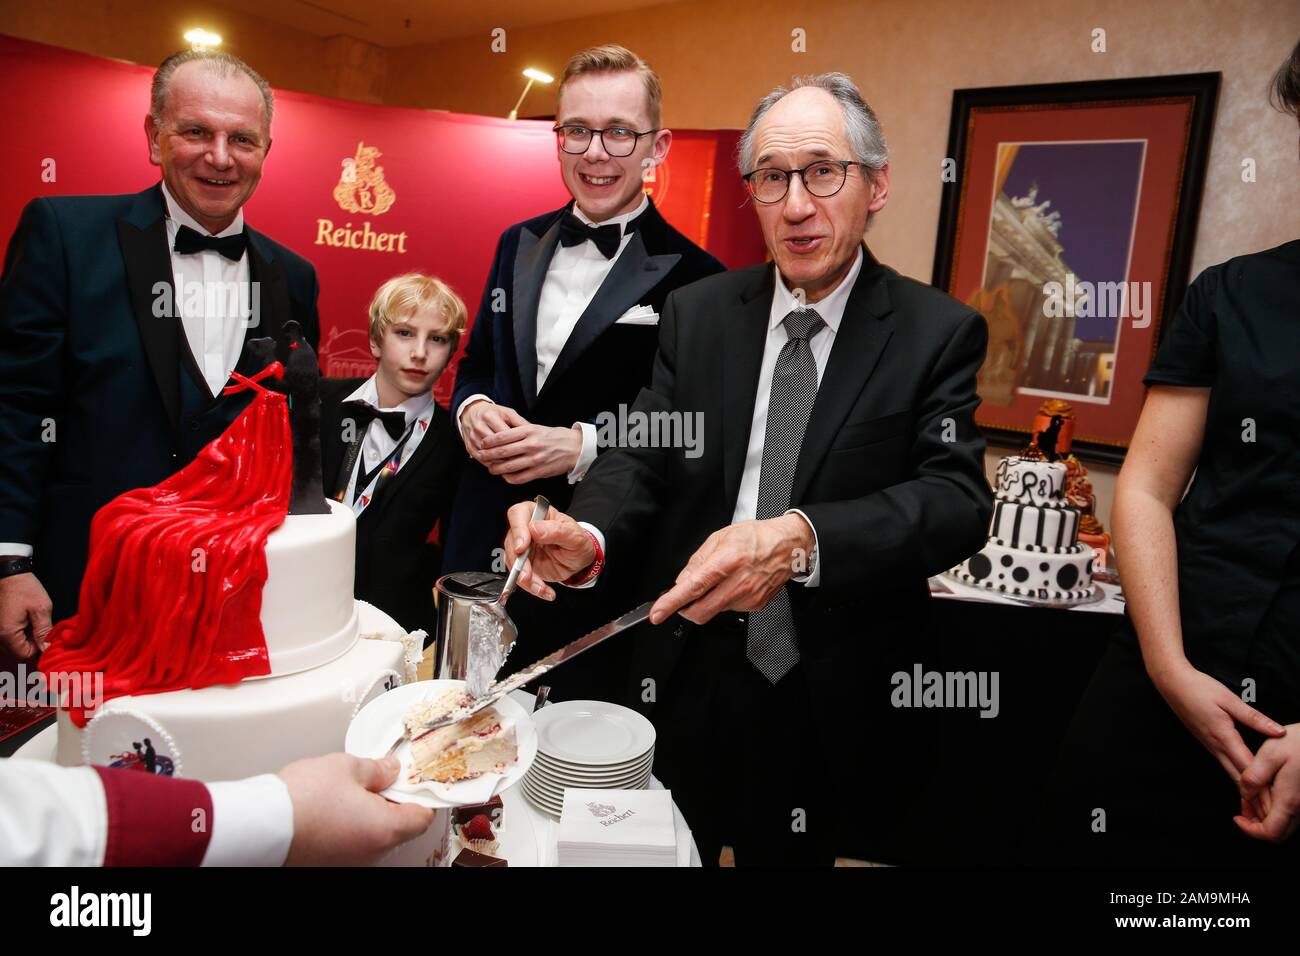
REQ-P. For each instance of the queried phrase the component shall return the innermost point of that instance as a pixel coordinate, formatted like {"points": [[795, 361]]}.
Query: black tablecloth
{"points": [[981, 782]]}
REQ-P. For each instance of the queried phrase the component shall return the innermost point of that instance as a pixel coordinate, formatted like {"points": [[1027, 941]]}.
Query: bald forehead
{"points": [[805, 123], [216, 83]]}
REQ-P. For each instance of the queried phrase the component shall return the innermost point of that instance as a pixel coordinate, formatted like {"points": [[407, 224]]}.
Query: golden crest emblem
{"points": [[361, 186], [654, 180]]}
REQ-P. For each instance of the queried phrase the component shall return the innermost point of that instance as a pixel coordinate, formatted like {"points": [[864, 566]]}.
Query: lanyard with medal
{"points": [[363, 491]]}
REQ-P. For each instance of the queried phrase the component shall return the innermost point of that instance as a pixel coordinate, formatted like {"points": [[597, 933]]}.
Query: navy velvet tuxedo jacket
{"points": [[82, 347], [602, 365]]}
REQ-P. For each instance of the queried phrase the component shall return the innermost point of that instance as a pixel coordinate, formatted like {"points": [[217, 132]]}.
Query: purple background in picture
{"points": [[1094, 186]]}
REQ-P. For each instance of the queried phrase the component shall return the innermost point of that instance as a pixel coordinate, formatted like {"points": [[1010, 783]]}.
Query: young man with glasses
{"points": [[574, 334]]}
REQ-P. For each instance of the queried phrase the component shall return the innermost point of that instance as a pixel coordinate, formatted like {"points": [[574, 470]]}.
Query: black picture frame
{"points": [[1204, 90]]}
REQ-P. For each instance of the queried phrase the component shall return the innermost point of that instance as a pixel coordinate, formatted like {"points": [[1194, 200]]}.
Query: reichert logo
{"points": [[361, 186], [103, 909], [362, 189], [605, 809]]}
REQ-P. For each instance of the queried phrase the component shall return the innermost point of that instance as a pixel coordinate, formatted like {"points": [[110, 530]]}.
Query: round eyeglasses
{"points": [[616, 140], [823, 178]]}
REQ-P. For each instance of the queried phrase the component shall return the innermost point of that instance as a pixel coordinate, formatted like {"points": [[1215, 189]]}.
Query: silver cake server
{"points": [[492, 634], [547, 663]]}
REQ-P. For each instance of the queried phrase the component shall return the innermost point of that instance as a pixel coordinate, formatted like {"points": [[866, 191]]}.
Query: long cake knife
{"points": [[547, 663]]}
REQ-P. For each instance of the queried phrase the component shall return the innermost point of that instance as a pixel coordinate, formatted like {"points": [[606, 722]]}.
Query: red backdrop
{"points": [[76, 125]]}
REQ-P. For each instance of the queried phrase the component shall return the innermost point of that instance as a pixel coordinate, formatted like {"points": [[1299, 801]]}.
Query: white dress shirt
{"points": [[573, 278], [58, 816], [831, 309], [212, 296]]}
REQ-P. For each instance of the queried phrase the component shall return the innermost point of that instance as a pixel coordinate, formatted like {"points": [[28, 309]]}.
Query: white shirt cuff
{"points": [[814, 576], [51, 815], [600, 539], [25, 550], [252, 822], [476, 397], [588, 453]]}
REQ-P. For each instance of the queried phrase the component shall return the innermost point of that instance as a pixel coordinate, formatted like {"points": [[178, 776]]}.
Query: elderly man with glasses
{"points": [[842, 466], [566, 331]]}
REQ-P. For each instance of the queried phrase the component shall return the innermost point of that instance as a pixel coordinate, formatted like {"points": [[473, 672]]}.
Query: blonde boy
{"points": [[390, 452]]}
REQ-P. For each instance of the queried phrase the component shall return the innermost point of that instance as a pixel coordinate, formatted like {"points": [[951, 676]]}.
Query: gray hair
{"points": [[860, 124], [225, 64]]}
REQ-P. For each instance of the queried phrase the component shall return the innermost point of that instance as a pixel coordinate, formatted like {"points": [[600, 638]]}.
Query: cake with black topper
{"points": [[218, 605], [1033, 551]]}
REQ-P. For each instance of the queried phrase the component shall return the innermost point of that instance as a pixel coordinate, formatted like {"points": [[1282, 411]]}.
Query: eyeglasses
{"points": [[822, 179], [616, 140]]}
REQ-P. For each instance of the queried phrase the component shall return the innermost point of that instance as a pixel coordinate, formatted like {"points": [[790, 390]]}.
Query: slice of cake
{"points": [[464, 750]]}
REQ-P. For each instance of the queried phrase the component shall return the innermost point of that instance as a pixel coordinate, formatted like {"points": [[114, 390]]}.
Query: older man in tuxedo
{"points": [[121, 319], [841, 467]]}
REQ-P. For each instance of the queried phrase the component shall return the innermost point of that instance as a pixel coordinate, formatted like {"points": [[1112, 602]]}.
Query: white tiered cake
{"points": [[322, 673], [1033, 552]]}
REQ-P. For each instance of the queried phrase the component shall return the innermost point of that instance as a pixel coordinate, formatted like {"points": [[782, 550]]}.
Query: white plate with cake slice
{"points": [[379, 723]]}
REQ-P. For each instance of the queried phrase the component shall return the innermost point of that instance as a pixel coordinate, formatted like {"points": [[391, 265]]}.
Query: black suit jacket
{"points": [[602, 365], [396, 567], [82, 348], [891, 471]]}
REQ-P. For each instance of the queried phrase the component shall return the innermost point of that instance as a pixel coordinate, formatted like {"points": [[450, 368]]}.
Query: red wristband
{"points": [[593, 570]]}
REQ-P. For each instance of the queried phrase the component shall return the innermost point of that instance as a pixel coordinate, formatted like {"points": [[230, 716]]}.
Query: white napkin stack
{"points": [[617, 828]]}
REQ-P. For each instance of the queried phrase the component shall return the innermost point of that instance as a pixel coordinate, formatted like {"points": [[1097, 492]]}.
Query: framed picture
{"points": [[1068, 215]]}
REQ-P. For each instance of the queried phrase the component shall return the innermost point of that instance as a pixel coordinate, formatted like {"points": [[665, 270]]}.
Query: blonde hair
{"points": [[402, 296], [612, 58]]}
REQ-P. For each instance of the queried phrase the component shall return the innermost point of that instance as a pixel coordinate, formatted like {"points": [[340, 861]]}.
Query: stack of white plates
{"points": [[588, 745]]}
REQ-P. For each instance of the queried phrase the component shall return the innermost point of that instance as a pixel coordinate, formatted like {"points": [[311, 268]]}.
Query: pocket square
{"points": [[638, 315]]}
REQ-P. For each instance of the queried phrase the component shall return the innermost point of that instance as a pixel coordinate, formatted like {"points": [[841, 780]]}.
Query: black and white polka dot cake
{"points": [[1033, 552]]}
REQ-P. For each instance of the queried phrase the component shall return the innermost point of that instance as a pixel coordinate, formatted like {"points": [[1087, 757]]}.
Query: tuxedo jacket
{"points": [[890, 473], [602, 365], [99, 393], [396, 566]]}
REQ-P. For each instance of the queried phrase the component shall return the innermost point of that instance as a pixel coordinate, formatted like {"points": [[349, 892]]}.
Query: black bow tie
{"points": [[573, 231], [232, 247], [363, 415]]}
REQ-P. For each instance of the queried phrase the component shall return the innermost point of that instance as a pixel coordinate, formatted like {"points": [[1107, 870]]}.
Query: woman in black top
{"points": [[1213, 590]]}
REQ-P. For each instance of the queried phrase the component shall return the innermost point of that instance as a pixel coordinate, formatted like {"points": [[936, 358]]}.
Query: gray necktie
{"points": [[770, 643]]}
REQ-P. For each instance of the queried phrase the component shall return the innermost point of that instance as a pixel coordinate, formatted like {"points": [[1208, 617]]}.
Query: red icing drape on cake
{"points": [[172, 595]]}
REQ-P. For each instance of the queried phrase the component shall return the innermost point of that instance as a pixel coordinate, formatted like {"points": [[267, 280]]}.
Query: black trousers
{"points": [[741, 756], [1134, 787]]}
